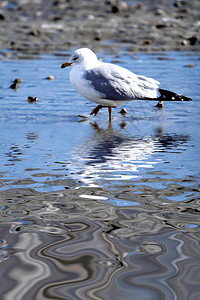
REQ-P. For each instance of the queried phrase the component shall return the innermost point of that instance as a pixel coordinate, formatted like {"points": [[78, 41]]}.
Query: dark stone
{"points": [[14, 86], [115, 9], [2, 17], [35, 32], [161, 25], [193, 40], [31, 99]]}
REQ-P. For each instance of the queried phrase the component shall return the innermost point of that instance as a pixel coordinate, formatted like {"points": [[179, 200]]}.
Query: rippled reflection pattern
{"points": [[110, 156], [91, 210], [87, 257]]}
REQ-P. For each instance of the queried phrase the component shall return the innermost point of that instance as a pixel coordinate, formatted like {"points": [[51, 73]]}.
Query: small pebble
{"points": [[57, 18], [147, 42], [190, 65], [3, 3], [160, 104], [31, 99], [97, 38], [123, 125], [177, 4], [161, 25], [139, 6], [193, 40], [35, 32], [15, 84], [8, 54], [2, 17], [184, 43], [18, 80], [160, 12], [91, 17], [50, 77], [115, 9], [38, 13], [119, 6], [180, 3], [123, 111]]}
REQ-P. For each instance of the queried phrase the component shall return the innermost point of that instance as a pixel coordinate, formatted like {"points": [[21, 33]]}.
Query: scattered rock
{"points": [[184, 42], [193, 40], [28, 27], [35, 32], [160, 105], [161, 25], [31, 99], [147, 42], [119, 6], [2, 17], [3, 3], [38, 13], [180, 3], [7, 54], [21, 8], [91, 17], [115, 9], [190, 65], [15, 84], [123, 125], [12, 43], [183, 10], [18, 80], [139, 6], [123, 111], [57, 18], [97, 38], [177, 4], [160, 12], [50, 77]]}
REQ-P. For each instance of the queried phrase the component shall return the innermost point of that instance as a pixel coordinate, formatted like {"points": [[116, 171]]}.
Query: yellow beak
{"points": [[66, 64]]}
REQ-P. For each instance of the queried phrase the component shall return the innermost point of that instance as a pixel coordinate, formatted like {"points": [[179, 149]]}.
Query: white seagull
{"points": [[110, 85]]}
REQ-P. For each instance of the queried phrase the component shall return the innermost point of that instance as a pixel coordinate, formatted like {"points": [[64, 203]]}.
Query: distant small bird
{"points": [[110, 85]]}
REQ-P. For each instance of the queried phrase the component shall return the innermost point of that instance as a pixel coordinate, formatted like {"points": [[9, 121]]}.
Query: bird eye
{"points": [[75, 58]]}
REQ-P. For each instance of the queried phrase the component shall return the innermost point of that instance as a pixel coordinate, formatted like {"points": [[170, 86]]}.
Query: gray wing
{"points": [[117, 83]]}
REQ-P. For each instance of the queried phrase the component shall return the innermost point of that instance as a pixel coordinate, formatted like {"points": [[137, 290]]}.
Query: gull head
{"points": [[81, 56]]}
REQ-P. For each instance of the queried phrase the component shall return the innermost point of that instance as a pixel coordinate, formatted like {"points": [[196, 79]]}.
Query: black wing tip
{"points": [[184, 98]]}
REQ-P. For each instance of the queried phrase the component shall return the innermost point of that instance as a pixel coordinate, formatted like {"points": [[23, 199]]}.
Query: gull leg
{"points": [[110, 112], [96, 110]]}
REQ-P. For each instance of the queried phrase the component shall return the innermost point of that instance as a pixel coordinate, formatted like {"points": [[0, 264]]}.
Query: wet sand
{"points": [[31, 28]]}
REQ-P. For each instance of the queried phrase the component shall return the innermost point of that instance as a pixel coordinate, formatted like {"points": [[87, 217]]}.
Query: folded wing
{"points": [[117, 83]]}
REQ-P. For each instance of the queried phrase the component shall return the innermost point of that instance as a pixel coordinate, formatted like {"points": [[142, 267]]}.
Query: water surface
{"points": [[92, 210]]}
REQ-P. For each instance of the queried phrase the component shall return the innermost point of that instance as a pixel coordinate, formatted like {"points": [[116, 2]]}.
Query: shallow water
{"points": [[92, 210]]}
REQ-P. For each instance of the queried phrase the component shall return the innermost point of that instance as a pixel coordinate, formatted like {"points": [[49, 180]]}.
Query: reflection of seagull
{"points": [[110, 85], [110, 155]]}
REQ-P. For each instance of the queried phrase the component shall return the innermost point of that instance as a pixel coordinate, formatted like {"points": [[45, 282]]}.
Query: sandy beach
{"points": [[31, 28]]}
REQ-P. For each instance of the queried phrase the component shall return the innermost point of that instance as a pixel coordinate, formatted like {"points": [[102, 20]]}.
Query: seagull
{"points": [[110, 85]]}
